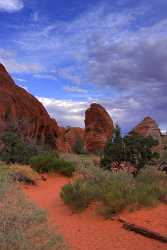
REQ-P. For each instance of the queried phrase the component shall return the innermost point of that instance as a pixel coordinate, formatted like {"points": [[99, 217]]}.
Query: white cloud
{"points": [[74, 89], [66, 112], [9, 60], [11, 5]]}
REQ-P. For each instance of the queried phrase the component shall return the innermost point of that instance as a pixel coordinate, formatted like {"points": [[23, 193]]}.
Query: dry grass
{"points": [[23, 173], [22, 225], [80, 160]]}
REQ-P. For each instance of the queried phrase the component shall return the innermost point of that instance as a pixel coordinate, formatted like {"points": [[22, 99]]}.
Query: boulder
{"points": [[98, 128]]}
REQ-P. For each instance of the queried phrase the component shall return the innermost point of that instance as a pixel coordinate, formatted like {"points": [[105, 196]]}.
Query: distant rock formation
{"points": [[20, 109], [149, 127], [72, 134], [69, 136], [61, 144], [98, 128]]}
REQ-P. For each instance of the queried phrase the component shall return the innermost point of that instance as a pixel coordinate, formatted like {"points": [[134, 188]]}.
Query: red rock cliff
{"points": [[19, 108], [98, 128]]}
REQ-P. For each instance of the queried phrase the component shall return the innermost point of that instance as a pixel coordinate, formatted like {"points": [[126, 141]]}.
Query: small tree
{"points": [[138, 149], [78, 147], [114, 150], [133, 148]]}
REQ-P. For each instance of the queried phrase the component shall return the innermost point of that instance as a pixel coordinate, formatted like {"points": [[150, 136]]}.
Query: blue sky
{"points": [[72, 53]]}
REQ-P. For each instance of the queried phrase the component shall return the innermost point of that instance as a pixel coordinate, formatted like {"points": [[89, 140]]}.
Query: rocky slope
{"points": [[20, 109], [98, 128]]}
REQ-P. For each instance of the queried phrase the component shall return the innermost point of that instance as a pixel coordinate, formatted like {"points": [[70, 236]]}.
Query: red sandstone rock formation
{"points": [[98, 128], [67, 138], [149, 127], [72, 134], [61, 144], [21, 109]]}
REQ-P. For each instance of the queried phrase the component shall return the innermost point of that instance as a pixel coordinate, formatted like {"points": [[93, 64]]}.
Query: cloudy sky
{"points": [[71, 53]]}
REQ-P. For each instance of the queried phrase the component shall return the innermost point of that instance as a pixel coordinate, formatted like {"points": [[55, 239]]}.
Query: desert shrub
{"points": [[78, 146], [16, 149], [78, 195], [81, 160], [115, 191], [44, 163], [23, 173], [65, 168], [23, 226], [151, 187], [49, 162]]}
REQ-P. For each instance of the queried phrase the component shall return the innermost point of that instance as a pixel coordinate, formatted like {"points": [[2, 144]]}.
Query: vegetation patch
{"points": [[23, 173], [78, 147], [16, 149], [22, 225], [133, 148], [115, 191], [50, 163], [78, 195]]}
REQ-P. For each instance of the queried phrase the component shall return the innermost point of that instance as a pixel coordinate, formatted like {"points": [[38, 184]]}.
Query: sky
{"points": [[71, 53]]}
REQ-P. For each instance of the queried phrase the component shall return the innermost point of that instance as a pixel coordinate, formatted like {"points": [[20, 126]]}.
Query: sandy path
{"points": [[85, 231]]}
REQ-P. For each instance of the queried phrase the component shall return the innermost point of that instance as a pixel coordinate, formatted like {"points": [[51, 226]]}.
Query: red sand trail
{"points": [[88, 231]]}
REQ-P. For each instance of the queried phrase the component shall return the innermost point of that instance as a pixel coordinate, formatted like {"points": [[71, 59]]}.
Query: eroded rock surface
{"points": [[98, 128], [20, 109]]}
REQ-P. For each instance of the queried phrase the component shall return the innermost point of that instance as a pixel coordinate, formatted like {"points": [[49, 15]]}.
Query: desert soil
{"points": [[89, 231]]}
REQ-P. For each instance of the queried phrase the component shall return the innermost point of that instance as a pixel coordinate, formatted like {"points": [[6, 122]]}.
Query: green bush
{"points": [[16, 149], [49, 162], [78, 195], [115, 191], [151, 186], [65, 168], [44, 163]]}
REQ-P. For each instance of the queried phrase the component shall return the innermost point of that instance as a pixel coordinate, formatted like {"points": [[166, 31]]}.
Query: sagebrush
{"points": [[23, 226], [115, 191]]}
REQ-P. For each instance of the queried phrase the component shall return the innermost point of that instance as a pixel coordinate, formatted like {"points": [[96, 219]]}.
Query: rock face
{"points": [[67, 138], [98, 128], [149, 127], [72, 134], [20, 109]]}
